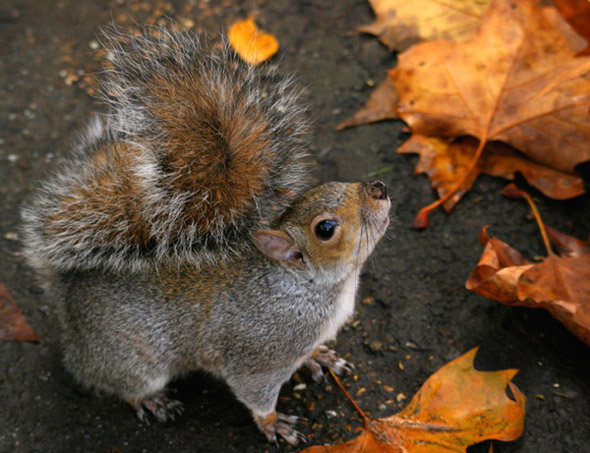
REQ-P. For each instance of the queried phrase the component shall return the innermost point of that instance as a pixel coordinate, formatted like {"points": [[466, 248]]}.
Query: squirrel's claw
{"points": [[290, 419], [292, 436], [281, 424], [285, 429], [160, 405], [324, 356]]}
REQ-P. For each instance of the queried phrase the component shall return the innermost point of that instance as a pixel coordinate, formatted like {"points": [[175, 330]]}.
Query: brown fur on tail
{"points": [[187, 160]]}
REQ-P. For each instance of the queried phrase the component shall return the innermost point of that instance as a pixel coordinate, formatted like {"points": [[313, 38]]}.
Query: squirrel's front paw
{"points": [[324, 356], [281, 424], [160, 405]]}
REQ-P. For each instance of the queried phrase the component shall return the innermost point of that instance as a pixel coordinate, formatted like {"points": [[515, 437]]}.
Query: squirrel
{"points": [[183, 233]]}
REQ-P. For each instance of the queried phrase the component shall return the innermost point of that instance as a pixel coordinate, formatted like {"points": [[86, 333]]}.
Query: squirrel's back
{"points": [[188, 158]]}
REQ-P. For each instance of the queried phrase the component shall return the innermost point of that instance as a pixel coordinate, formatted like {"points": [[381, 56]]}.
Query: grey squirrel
{"points": [[182, 234]]}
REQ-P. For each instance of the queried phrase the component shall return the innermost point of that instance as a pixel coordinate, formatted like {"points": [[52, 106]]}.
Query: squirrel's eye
{"points": [[325, 229]]}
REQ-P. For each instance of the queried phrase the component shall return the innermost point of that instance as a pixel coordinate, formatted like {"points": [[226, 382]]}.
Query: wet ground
{"points": [[416, 315]]}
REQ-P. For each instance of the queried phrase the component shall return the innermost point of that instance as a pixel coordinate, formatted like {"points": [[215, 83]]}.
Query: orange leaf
{"points": [[13, 326], [445, 162], [517, 82], [251, 44], [456, 407], [400, 23], [560, 283], [380, 106]]}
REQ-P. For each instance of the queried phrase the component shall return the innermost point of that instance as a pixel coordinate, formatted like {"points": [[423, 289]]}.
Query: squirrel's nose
{"points": [[377, 190]]}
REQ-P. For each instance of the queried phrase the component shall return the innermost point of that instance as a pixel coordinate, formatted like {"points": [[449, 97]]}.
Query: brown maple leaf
{"points": [[560, 283], [380, 106], [400, 24], [517, 81], [13, 325], [445, 161], [383, 101], [456, 407]]}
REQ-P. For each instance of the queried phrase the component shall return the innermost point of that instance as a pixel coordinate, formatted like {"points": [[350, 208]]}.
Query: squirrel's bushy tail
{"points": [[188, 158]]}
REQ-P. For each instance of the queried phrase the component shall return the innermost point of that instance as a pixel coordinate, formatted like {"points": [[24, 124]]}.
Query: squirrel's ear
{"points": [[279, 246]]}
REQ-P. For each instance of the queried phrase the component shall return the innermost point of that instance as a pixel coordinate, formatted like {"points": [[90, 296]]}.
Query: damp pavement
{"points": [[413, 312]]}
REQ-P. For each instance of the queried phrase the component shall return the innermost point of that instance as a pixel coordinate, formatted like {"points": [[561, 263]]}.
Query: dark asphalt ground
{"points": [[421, 316]]}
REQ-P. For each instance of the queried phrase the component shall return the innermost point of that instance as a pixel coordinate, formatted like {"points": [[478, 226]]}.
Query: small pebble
{"points": [[331, 414]]}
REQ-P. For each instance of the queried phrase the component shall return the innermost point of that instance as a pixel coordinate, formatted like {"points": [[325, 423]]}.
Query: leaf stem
{"points": [[356, 406], [421, 220], [539, 220]]}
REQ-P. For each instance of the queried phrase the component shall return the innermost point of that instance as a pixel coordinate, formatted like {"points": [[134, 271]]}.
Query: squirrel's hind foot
{"points": [[324, 356], [281, 424], [162, 407]]}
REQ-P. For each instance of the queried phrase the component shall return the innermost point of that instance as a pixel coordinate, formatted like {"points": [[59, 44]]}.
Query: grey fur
{"points": [[124, 334], [252, 322], [150, 288]]}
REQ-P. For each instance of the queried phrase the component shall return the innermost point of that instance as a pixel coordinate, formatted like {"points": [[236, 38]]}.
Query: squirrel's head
{"points": [[333, 227]]}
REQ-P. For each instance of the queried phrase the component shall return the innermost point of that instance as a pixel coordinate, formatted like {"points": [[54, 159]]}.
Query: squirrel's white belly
{"points": [[344, 308]]}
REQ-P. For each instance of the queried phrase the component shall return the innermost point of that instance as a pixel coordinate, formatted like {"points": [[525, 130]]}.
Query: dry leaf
{"points": [[380, 106], [518, 81], [456, 407], [560, 283], [445, 161], [495, 87], [13, 326], [400, 23], [577, 13], [396, 20], [251, 44]]}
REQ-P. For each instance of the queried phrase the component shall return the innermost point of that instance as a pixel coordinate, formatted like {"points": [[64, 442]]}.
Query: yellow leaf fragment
{"points": [[251, 44]]}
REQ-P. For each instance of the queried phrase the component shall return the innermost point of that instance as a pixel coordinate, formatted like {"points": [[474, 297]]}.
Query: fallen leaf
{"points": [[484, 88], [517, 81], [577, 13], [456, 407], [445, 161], [461, 18], [13, 326], [251, 44], [399, 24], [380, 106], [560, 283]]}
